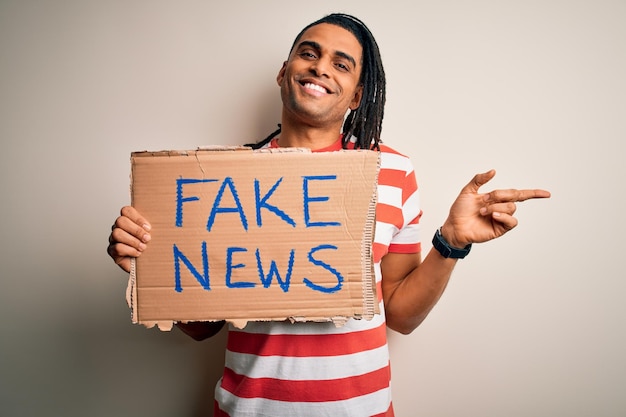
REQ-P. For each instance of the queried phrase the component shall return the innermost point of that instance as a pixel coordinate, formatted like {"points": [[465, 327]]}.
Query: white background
{"points": [[531, 325]]}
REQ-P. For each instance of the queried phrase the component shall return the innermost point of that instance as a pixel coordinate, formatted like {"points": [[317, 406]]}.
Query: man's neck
{"points": [[301, 136]]}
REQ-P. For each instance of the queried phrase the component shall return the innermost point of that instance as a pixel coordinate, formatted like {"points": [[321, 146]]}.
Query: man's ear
{"points": [[281, 73], [356, 100]]}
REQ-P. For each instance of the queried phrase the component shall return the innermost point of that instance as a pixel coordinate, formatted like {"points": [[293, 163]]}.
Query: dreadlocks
{"points": [[364, 124]]}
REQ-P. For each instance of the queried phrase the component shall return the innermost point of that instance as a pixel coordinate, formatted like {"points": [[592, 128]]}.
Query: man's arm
{"points": [[411, 288]]}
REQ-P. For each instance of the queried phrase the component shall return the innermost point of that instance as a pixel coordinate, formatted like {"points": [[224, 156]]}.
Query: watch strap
{"points": [[447, 251]]}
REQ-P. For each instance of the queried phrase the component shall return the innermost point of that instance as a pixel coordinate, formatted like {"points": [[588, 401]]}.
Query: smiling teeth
{"points": [[315, 87]]}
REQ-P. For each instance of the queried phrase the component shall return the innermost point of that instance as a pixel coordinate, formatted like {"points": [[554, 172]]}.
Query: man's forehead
{"points": [[334, 38]]}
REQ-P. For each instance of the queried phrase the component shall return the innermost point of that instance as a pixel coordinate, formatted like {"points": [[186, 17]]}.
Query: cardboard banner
{"points": [[242, 235]]}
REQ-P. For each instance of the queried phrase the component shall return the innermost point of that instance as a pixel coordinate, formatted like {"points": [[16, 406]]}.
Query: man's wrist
{"points": [[447, 250]]}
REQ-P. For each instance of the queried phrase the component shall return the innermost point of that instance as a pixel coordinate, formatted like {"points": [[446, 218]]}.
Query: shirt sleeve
{"points": [[407, 238], [398, 211]]}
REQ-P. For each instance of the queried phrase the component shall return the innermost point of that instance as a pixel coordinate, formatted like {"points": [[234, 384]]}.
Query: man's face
{"points": [[320, 81]]}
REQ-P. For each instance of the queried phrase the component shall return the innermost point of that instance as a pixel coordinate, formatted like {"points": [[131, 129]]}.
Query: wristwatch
{"points": [[448, 251]]}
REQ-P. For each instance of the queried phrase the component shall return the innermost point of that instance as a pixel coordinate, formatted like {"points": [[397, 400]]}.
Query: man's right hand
{"points": [[129, 235]]}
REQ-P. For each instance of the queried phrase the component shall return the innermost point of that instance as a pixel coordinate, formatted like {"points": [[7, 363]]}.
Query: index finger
{"points": [[514, 196], [131, 213]]}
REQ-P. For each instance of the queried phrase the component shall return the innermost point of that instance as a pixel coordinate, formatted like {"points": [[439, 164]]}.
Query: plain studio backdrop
{"points": [[531, 325]]}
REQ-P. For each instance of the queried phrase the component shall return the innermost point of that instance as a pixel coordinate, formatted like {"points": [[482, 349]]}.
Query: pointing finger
{"points": [[513, 195]]}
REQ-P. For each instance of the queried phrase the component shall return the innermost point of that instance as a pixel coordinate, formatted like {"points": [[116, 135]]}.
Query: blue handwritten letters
{"points": [[259, 268]]}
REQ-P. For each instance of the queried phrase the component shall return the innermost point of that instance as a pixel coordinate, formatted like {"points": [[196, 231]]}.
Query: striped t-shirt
{"points": [[276, 369]]}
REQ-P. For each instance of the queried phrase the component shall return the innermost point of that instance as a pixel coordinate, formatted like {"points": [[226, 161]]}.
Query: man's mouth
{"points": [[315, 87]]}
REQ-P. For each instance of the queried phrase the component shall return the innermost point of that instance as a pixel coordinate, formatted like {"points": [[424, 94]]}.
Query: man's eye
{"points": [[342, 67], [307, 54]]}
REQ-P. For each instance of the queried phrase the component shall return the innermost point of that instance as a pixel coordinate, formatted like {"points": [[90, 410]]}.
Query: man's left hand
{"points": [[476, 217]]}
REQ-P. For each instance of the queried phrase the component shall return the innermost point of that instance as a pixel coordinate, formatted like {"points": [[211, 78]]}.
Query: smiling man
{"points": [[319, 83], [333, 91]]}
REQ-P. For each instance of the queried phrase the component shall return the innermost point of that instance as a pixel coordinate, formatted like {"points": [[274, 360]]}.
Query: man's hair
{"points": [[364, 124]]}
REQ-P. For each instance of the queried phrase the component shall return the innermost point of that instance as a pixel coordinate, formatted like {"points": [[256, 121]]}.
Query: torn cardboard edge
{"points": [[217, 148], [370, 299]]}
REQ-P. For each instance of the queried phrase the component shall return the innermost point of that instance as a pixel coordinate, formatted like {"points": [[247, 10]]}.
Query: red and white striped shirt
{"points": [[276, 369]]}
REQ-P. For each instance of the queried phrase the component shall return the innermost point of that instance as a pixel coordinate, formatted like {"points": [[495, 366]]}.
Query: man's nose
{"points": [[321, 67]]}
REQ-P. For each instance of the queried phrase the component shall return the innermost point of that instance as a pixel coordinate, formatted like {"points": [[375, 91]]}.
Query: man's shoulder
{"points": [[389, 150], [394, 159]]}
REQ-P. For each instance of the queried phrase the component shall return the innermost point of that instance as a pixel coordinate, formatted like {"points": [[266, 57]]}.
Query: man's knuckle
{"points": [[126, 211], [115, 235], [139, 233]]}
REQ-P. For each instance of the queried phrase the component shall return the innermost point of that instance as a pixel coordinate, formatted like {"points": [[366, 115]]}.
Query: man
{"points": [[315, 369]]}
